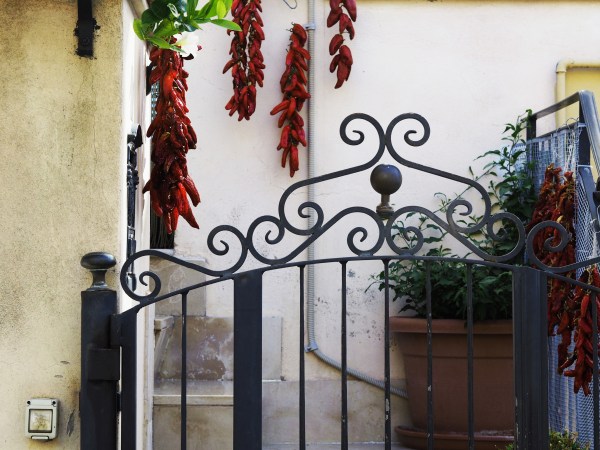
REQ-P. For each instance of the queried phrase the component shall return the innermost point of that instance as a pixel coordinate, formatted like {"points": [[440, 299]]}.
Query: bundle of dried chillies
{"points": [[582, 355], [569, 310], [247, 62], [172, 137], [556, 203], [293, 86], [342, 61]]}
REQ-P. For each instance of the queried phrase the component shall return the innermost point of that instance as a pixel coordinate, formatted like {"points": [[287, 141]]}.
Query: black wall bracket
{"points": [[86, 25]]}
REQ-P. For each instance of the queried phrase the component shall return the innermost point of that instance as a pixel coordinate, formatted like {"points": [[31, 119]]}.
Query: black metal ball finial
{"points": [[98, 263], [386, 180]]}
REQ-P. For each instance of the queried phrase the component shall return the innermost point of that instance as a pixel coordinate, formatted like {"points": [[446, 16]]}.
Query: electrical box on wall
{"points": [[40, 418]]}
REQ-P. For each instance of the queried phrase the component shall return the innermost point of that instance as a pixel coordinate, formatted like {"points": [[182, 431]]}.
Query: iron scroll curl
{"points": [[222, 239], [564, 238]]}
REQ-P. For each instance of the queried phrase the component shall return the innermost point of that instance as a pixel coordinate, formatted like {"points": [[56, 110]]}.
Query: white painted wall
{"points": [[136, 110], [468, 67]]}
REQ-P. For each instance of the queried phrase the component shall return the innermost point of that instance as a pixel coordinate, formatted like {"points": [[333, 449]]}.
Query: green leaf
{"points": [[195, 25], [160, 43], [208, 10], [221, 9], [188, 27], [181, 6], [173, 10], [226, 24], [149, 18], [165, 29], [191, 7], [138, 29], [160, 9]]}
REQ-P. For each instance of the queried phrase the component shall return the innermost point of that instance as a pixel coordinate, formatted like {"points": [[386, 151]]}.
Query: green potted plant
{"points": [[562, 441], [511, 189]]}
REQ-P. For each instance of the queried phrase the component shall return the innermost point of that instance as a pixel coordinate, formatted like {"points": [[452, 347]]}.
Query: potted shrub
{"points": [[511, 189]]}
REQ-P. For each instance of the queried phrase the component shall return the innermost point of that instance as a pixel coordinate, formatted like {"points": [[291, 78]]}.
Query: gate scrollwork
{"points": [[221, 239]]}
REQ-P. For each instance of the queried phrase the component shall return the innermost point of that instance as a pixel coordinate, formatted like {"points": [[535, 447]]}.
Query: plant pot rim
{"points": [[402, 324]]}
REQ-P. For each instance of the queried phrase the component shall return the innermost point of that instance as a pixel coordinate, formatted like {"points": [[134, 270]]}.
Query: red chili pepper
{"points": [[334, 16], [351, 8]]}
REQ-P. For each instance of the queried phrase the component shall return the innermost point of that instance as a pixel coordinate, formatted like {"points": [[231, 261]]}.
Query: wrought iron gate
{"points": [[109, 339]]}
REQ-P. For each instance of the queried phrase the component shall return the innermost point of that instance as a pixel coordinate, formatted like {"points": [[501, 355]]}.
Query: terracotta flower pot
{"points": [[492, 375]]}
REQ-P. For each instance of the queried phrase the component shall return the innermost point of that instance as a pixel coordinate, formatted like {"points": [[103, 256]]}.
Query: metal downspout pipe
{"points": [[561, 82], [312, 346]]}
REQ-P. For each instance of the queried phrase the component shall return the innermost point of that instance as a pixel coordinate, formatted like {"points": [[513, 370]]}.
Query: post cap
{"points": [[98, 263]]}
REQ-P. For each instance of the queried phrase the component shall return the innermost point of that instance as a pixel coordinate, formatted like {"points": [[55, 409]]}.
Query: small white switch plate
{"points": [[40, 418]]}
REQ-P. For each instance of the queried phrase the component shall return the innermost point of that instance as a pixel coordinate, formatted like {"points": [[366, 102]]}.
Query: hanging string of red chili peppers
{"points": [[569, 310], [583, 353], [247, 62], [172, 137], [342, 61], [555, 203], [293, 86]]}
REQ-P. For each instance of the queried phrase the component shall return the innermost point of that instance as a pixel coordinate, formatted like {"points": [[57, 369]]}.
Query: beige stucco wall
{"points": [[61, 141]]}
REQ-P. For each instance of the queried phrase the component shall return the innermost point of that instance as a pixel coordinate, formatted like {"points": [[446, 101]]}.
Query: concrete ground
{"points": [[364, 446]]}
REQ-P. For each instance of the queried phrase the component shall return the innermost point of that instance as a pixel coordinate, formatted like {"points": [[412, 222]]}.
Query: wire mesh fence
{"points": [[566, 410]]}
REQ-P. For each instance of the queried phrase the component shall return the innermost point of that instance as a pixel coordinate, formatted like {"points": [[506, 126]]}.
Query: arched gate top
{"points": [[417, 135]]}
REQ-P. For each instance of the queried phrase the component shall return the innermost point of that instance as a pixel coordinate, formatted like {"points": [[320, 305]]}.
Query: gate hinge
{"points": [[115, 330], [104, 364]]}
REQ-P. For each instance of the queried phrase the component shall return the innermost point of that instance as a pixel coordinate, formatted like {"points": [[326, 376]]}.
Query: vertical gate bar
{"points": [[584, 142], [531, 130], [539, 354], [519, 345], [302, 390], [183, 424], [127, 328], [430, 430], [247, 361], [595, 370], [386, 340], [344, 369], [531, 358], [470, 398]]}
